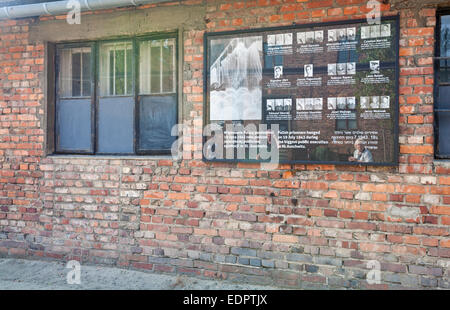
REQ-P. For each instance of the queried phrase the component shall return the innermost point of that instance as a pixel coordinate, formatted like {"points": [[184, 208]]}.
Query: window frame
{"points": [[57, 66], [437, 84], [138, 40], [95, 89]]}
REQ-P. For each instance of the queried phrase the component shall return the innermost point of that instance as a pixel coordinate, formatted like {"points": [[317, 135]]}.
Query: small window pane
{"points": [[74, 72], [444, 132], [445, 36], [168, 73], [444, 65], [444, 97], [157, 66], [119, 67], [116, 69]]}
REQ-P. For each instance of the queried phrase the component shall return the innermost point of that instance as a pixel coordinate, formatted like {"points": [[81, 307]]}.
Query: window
{"points": [[442, 86], [128, 105]]}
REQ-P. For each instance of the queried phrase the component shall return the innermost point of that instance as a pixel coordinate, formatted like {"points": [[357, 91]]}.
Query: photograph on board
{"points": [[235, 78]]}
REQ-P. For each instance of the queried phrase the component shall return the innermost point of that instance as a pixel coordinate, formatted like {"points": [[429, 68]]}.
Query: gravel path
{"points": [[21, 274]]}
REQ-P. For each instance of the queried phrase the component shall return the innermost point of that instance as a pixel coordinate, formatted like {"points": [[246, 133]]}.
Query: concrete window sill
{"points": [[442, 162], [111, 157]]}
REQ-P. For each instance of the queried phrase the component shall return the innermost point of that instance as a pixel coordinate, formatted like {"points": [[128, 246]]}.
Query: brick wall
{"points": [[304, 226]]}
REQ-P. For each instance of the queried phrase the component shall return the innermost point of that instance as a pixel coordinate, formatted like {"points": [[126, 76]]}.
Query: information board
{"points": [[317, 93]]}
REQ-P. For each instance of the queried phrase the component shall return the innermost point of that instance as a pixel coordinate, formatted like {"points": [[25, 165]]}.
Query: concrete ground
{"points": [[20, 274]]}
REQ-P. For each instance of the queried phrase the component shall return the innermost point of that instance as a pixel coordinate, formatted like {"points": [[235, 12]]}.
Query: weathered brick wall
{"points": [[300, 225]]}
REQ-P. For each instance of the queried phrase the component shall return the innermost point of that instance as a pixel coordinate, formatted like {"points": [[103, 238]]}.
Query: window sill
{"points": [[111, 157], [442, 162]]}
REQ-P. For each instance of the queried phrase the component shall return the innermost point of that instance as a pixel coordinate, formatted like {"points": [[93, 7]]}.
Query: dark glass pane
{"points": [[86, 74], [168, 72], [157, 116], [445, 36], [76, 74], [444, 97], [120, 72], [155, 69], [444, 71], [443, 119]]}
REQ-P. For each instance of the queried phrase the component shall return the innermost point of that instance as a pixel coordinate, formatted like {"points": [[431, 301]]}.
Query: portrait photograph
{"points": [[287, 104], [384, 104], [351, 34], [279, 105], [374, 66], [271, 40], [385, 30], [331, 69], [375, 102], [351, 68], [331, 103], [270, 106], [332, 35], [277, 72], [318, 104], [318, 36], [374, 31], [301, 38], [365, 32], [308, 104], [300, 104], [309, 70], [364, 102], [279, 39], [341, 68], [288, 38], [310, 37], [351, 103], [342, 34], [341, 103]]}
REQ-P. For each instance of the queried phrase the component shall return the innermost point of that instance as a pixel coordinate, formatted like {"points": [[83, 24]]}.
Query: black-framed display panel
{"points": [[261, 31]]}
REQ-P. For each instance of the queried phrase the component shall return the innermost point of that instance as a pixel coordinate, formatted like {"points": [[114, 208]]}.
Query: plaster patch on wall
{"points": [[403, 212]]}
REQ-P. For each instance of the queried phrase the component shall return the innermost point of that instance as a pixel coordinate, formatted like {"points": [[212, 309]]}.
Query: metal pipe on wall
{"points": [[62, 7]]}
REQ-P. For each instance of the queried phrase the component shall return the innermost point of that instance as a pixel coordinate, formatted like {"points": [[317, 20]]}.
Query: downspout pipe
{"points": [[63, 7]]}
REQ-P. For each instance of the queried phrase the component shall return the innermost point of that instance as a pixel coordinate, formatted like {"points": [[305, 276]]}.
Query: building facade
{"points": [[299, 225]]}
